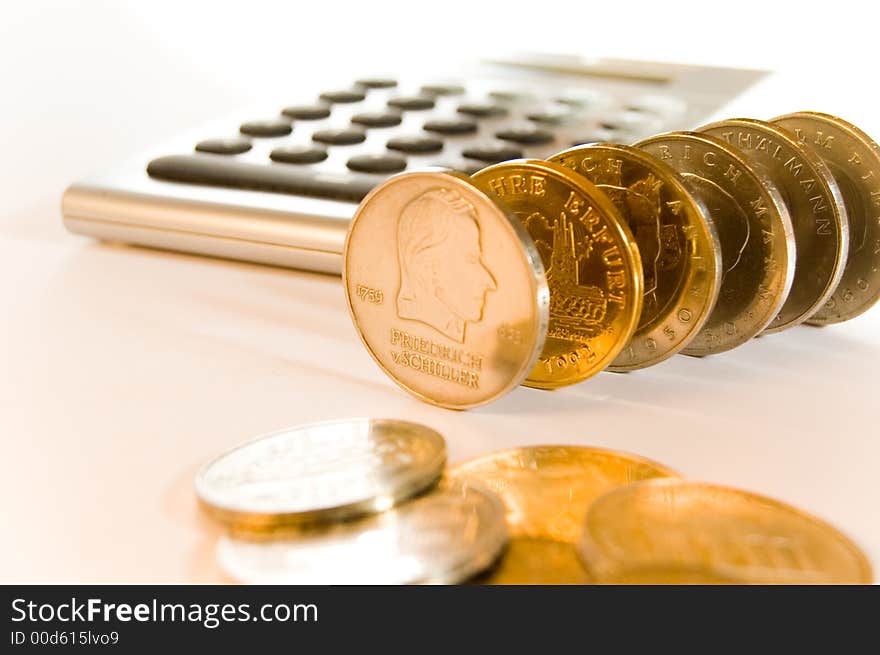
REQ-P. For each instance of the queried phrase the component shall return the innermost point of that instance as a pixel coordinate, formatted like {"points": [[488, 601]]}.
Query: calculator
{"points": [[278, 184]]}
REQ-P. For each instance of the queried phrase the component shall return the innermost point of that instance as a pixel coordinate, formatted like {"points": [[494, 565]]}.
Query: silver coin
{"points": [[321, 472], [444, 537]]}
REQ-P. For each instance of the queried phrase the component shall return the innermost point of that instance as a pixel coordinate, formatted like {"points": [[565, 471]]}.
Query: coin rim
{"points": [[257, 521], [838, 208], [630, 251], [531, 258], [649, 161], [605, 565]]}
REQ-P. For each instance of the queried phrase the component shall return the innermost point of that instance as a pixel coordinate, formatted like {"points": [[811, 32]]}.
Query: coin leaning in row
{"points": [[616, 257], [368, 501]]}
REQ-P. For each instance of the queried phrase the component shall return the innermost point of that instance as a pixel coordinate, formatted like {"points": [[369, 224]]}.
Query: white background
{"points": [[122, 370]]}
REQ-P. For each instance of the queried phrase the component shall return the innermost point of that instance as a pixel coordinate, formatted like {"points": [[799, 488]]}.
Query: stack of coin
{"points": [[367, 502], [616, 257], [349, 502]]}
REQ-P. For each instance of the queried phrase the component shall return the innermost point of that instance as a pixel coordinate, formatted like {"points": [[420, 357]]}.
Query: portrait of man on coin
{"points": [[443, 280]]}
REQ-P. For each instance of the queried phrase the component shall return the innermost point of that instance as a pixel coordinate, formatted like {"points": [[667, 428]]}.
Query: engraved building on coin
{"points": [[445, 288]]}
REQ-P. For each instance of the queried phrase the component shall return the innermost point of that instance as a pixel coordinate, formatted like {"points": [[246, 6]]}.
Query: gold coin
{"points": [[445, 288], [754, 228], [821, 228], [854, 160], [681, 257], [696, 531], [592, 263], [546, 491]]}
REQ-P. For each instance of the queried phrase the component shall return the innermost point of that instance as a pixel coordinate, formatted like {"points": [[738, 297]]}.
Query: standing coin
{"points": [[443, 537], [445, 288], [854, 160], [592, 263], [321, 472], [754, 228], [693, 531], [546, 491], [821, 228], [681, 257]]}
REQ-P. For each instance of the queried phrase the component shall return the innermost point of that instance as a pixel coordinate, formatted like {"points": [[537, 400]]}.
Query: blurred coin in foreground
{"points": [[445, 288], [593, 268], [754, 228], [546, 491], [694, 531], [681, 256], [321, 472], [854, 160], [821, 228], [444, 537]]}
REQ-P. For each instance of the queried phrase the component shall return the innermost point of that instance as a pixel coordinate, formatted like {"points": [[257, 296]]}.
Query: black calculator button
{"points": [[377, 82], [443, 89], [550, 117], [492, 152], [343, 96], [298, 155], [344, 137], [415, 144], [307, 112], [526, 135], [232, 173], [377, 163], [466, 167], [482, 109], [377, 119], [511, 96], [233, 146], [267, 128], [597, 136], [450, 126], [412, 102]]}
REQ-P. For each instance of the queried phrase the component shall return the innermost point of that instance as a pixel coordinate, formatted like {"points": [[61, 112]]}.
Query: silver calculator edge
{"points": [[126, 205]]}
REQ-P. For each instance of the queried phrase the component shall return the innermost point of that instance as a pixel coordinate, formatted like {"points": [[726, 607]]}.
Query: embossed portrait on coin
{"points": [[443, 280]]}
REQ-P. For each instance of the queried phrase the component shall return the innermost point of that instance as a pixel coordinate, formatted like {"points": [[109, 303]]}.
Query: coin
{"points": [[681, 258], [445, 288], [546, 491], [754, 228], [697, 531], [592, 263], [321, 472], [854, 160], [443, 537], [821, 228]]}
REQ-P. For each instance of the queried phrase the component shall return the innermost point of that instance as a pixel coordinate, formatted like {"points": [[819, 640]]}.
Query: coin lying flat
{"points": [[821, 228], [546, 491], [443, 537], [321, 472], [754, 228], [694, 531], [678, 245], [445, 288], [593, 268], [854, 160]]}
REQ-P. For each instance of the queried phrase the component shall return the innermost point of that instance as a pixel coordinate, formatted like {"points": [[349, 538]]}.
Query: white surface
{"points": [[124, 369]]}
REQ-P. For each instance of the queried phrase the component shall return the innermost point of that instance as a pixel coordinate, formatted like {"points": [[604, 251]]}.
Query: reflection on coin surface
{"points": [[754, 228], [592, 263], [821, 228], [445, 288], [681, 257], [320, 472], [443, 537], [546, 491], [854, 160], [698, 531]]}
